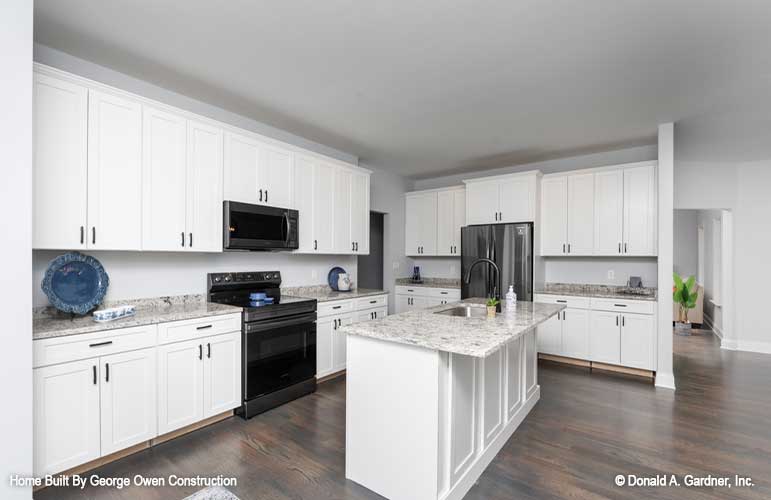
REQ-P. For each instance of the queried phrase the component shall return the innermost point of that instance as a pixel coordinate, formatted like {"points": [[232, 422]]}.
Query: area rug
{"points": [[212, 493]]}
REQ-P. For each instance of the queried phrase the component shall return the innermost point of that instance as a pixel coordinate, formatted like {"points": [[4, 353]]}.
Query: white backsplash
{"points": [[594, 270]]}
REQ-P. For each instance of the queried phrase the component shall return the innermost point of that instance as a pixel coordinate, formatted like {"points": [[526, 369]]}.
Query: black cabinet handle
{"points": [[336, 307], [373, 301], [562, 301], [266, 196], [100, 344], [315, 244], [200, 351], [357, 246], [205, 327], [375, 314], [94, 374], [107, 372], [568, 247], [182, 234], [620, 305], [623, 320], [563, 248], [564, 314], [371, 315], [625, 249], [616, 319], [82, 234], [443, 293], [190, 242], [208, 350], [93, 235], [619, 247], [353, 246], [260, 194]]}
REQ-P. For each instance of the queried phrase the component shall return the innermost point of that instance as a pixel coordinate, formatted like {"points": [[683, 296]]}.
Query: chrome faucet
{"points": [[496, 290]]}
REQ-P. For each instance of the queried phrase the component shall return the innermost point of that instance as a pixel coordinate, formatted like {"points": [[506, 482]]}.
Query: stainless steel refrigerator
{"points": [[510, 246]]}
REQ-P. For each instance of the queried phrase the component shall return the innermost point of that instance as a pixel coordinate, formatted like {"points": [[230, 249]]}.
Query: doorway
{"points": [[370, 267]]}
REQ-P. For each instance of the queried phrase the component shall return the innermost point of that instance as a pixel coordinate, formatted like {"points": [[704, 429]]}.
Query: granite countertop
{"points": [[322, 293], [430, 282], [598, 291], [476, 336], [49, 324]]}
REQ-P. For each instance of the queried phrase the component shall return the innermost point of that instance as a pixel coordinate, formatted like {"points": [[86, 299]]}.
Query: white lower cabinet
{"points": [[330, 342], [463, 404], [494, 404], [99, 393], [66, 416], [612, 331], [128, 399]]}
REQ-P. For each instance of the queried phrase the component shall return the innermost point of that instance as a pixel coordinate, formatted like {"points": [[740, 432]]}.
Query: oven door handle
{"points": [[261, 326]]}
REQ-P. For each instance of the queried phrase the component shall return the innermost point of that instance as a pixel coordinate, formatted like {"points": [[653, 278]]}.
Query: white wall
{"points": [[686, 243], [16, 218], [705, 218]]}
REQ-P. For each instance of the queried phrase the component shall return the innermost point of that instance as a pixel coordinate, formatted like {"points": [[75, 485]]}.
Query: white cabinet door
{"points": [[575, 333], [221, 373], [128, 399], [114, 172], [550, 336], [324, 329], [360, 212], [275, 175], [338, 343], [204, 188], [242, 160], [516, 199], [580, 214], [402, 303], [459, 219], [640, 211], [554, 215], [342, 225], [463, 404], [412, 225], [60, 168], [608, 212], [493, 400], [180, 385], [164, 191], [637, 341], [444, 222], [513, 377], [66, 416], [427, 220], [482, 202], [304, 168], [604, 337], [324, 202]]}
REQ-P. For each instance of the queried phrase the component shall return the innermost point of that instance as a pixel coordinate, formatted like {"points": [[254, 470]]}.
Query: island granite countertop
{"points": [[48, 324], [322, 293], [599, 291], [475, 336]]}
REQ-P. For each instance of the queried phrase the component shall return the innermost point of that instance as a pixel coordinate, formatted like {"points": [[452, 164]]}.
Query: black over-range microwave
{"points": [[257, 227]]}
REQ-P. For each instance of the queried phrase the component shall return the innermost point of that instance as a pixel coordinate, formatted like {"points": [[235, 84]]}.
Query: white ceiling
{"points": [[430, 87]]}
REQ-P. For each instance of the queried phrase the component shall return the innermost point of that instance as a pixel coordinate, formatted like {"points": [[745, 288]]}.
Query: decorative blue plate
{"points": [[75, 283], [332, 277]]}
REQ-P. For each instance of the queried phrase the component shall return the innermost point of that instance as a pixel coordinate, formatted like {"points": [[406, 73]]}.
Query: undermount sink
{"points": [[464, 311]]}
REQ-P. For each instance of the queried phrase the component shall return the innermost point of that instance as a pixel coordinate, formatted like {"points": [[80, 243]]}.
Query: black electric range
{"points": [[278, 343]]}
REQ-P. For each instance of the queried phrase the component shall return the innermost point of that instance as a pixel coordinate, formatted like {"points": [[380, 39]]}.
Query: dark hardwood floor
{"points": [[586, 429]]}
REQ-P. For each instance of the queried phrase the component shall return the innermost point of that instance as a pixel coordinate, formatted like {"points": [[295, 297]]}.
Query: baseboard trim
{"points": [[594, 365], [665, 380], [330, 376], [753, 346]]}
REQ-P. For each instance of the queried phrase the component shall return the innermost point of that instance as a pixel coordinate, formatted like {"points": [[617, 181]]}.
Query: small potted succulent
{"points": [[684, 293], [492, 305]]}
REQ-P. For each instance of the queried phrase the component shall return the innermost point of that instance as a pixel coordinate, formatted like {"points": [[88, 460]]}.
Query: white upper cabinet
{"points": [[114, 172], [60, 172], [420, 224], [580, 214], [304, 190], [204, 187], [164, 173], [360, 212], [342, 210], [506, 198], [640, 211], [608, 212], [275, 174], [242, 161], [324, 208], [554, 215], [451, 217]]}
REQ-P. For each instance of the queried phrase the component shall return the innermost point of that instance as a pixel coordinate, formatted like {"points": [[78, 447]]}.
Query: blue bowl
{"points": [[257, 296]]}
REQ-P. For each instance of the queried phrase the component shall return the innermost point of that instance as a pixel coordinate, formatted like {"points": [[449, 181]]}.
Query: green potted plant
{"points": [[492, 304], [684, 293]]}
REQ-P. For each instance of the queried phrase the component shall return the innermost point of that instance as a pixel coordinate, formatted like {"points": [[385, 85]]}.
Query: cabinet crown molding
{"points": [[621, 166], [435, 190], [528, 173]]}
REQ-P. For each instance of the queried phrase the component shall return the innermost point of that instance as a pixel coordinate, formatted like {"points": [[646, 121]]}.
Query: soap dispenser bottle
{"points": [[511, 298]]}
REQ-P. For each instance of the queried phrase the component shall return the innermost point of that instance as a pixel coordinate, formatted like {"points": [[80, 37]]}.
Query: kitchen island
{"points": [[433, 395]]}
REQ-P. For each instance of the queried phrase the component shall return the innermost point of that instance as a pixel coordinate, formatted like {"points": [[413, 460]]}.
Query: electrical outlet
{"points": [[452, 269], [396, 265], [314, 274], [611, 274]]}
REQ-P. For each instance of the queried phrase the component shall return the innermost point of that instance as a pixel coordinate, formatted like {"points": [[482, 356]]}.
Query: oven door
{"points": [[256, 227], [278, 353]]}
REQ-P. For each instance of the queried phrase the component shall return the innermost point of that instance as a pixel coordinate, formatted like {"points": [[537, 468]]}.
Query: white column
{"points": [[16, 251], [664, 373]]}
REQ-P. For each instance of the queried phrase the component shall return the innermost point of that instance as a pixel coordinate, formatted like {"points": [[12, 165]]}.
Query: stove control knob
{"points": [[217, 279], [227, 278]]}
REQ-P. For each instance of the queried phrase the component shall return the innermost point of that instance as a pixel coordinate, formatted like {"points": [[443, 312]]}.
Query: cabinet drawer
{"points": [[176, 331], [410, 290], [622, 306], [370, 302], [91, 345], [569, 300], [443, 293], [334, 307]]}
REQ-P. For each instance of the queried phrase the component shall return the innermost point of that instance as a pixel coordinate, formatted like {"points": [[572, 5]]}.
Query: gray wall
{"points": [[686, 255], [16, 218]]}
